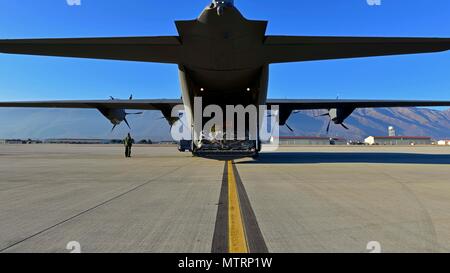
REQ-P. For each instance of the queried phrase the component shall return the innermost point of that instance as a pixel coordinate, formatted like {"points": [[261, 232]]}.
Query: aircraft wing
{"points": [[280, 49], [293, 104], [162, 104], [328, 104], [286, 107], [163, 49]]}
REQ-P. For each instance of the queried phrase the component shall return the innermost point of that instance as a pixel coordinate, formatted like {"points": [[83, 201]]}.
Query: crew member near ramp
{"points": [[128, 143]]}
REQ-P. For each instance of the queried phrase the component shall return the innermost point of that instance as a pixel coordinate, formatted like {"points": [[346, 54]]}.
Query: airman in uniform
{"points": [[128, 143]]}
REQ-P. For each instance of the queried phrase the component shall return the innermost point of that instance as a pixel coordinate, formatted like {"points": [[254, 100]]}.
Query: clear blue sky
{"points": [[424, 76]]}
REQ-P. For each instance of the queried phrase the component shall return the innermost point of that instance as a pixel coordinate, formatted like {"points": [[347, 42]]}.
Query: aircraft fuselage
{"points": [[223, 59]]}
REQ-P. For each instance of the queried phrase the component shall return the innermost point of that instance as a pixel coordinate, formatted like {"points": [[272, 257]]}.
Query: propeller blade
{"points": [[138, 113], [323, 115], [182, 123], [131, 96], [343, 125], [328, 127], [289, 127], [112, 98], [126, 121], [114, 127]]}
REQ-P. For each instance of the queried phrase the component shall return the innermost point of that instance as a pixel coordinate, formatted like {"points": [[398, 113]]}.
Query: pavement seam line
{"points": [[89, 209]]}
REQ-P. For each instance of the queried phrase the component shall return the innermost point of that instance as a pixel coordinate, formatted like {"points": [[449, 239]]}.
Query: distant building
{"points": [[398, 140], [77, 141], [167, 142], [11, 141], [391, 131], [310, 140], [444, 142]]}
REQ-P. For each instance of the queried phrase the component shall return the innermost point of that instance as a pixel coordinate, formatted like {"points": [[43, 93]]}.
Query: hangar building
{"points": [[398, 140]]}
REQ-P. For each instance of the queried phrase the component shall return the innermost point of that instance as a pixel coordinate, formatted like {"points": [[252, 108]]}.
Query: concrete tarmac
{"points": [[299, 199]]}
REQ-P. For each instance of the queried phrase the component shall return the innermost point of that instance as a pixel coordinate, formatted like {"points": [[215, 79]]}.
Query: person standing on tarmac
{"points": [[128, 143]]}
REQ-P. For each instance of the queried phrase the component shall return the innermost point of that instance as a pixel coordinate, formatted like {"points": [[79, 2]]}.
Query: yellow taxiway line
{"points": [[237, 240]]}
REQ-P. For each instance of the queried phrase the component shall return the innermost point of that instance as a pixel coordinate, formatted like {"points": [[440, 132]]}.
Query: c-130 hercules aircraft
{"points": [[224, 59]]}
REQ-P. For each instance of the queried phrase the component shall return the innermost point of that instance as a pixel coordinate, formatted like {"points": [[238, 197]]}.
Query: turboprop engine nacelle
{"points": [[117, 116], [338, 116]]}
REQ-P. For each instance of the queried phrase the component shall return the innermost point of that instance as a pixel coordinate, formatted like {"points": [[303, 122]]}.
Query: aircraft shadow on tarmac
{"points": [[386, 158]]}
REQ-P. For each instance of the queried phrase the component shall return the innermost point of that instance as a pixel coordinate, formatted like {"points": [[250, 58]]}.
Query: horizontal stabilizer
{"points": [[162, 49], [280, 49]]}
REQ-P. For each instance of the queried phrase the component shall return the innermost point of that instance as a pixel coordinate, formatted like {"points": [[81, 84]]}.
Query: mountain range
{"points": [[74, 123], [375, 122]]}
